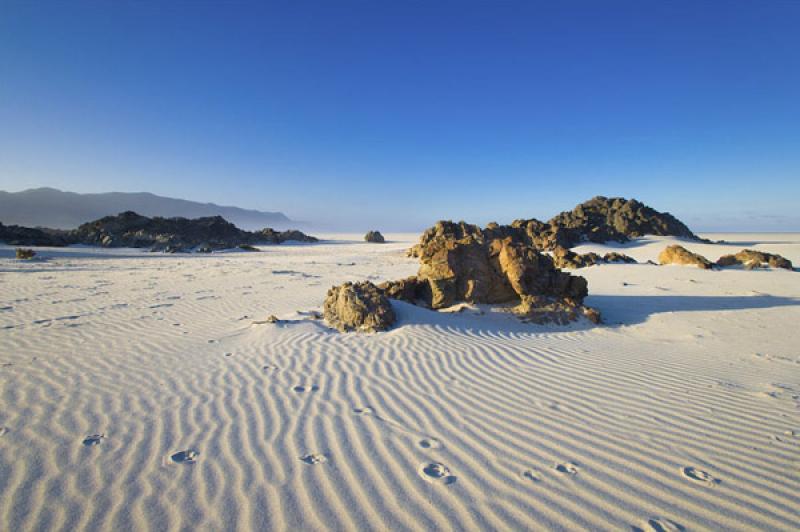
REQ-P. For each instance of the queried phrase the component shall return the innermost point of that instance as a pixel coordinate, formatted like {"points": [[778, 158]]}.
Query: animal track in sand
{"points": [[312, 459], [699, 475], [436, 472], [658, 524], [363, 411], [430, 443], [94, 439], [532, 474], [570, 468], [188, 456], [305, 389]]}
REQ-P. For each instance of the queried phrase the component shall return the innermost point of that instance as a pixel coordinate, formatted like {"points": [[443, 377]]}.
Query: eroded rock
{"points": [[751, 259], [460, 262], [680, 255], [359, 307]]}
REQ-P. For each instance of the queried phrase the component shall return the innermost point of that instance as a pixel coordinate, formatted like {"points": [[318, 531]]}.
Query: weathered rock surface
{"points": [[24, 254], [751, 259], [375, 237], [680, 255], [359, 307], [565, 258], [460, 262], [598, 220], [129, 229]]}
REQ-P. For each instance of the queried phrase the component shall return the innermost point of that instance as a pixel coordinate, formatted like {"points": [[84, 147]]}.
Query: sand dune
{"points": [[144, 391]]}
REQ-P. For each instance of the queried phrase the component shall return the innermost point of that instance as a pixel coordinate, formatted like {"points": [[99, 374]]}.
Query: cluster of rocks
{"points": [[461, 262], [130, 229], [16, 235], [749, 258], [375, 237], [598, 220], [567, 259]]}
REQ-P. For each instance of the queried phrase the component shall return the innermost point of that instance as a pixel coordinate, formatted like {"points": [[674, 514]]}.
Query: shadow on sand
{"points": [[616, 310]]}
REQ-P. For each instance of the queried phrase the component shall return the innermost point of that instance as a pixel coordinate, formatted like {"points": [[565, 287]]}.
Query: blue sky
{"points": [[396, 114]]}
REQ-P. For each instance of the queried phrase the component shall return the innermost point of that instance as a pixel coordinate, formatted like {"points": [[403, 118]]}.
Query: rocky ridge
{"points": [[129, 229]]}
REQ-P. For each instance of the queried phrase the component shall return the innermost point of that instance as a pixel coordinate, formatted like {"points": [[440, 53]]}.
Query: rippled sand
{"points": [[144, 391]]}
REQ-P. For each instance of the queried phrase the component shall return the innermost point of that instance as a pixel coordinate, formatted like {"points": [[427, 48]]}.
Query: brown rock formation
{"points": [[358, 307], [460, 262], [751, 259], [680, 255]]}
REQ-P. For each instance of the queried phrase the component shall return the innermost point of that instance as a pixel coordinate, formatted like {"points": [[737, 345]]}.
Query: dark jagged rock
{"points": [[604, 219], [171, 235], [375, 237], [15, 235], [565, 258], [598, 220], [359, 307], [681, 255], [460, 262], [750, 259]]}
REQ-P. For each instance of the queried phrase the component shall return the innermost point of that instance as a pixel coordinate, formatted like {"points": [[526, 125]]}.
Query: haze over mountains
{"points": [[49, 207]]}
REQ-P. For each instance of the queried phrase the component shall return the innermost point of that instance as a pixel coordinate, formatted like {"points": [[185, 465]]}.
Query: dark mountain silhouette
{"points": [[49, 207]]}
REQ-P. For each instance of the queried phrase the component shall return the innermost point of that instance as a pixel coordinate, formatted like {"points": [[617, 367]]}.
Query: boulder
{"points": [[25, 254], [680, 255], [751, 259], [360, 307], [375, 237]]}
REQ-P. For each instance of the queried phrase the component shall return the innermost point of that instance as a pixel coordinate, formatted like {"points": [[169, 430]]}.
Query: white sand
{"points": [[683, 410]]}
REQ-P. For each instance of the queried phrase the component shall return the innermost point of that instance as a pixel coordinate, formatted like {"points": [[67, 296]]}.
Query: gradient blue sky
{"points": [[396, 114]]}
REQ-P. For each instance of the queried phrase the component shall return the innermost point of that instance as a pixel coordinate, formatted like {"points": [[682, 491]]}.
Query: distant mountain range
{"points": [[49, 207]]}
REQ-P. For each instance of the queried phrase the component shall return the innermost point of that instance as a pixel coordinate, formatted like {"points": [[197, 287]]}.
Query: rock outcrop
{"points": [[680, 255], [359, 307], [375, 237], [598, 220], [129, 229], [604, 219], [751, 259], [460, 262], [15, 235]]}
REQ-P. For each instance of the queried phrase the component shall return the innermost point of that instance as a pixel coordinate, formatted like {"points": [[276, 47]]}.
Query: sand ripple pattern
{"points": [[128, 415]]}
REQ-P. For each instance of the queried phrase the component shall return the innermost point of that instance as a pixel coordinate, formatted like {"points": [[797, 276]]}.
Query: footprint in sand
{"points": [[313, 459], [94, 439], [658, 524], [532, 474], [436, 472], [430, 443], [698, 475], [570, 468], [188, 456], [305, 389]]}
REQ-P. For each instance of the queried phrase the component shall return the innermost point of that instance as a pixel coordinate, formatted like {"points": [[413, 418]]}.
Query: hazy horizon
{"points": [[392, 116]]}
